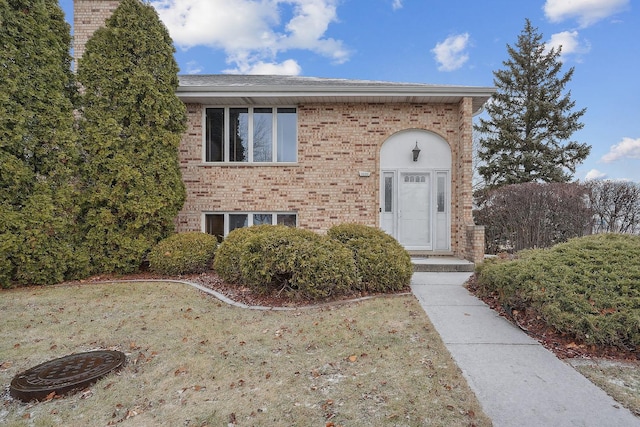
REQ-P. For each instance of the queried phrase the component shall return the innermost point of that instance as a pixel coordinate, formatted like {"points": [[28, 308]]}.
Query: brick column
{"points": [[475, 243]]}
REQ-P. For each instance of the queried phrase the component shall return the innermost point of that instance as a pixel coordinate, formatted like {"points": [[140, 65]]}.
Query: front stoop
{"points": [[441, 264]]}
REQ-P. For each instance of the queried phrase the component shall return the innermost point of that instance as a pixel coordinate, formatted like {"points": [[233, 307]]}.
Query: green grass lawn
{"points": [[194, 361]]}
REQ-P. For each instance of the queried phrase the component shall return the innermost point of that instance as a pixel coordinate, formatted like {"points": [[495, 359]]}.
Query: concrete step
{"points": [[441, 265]]}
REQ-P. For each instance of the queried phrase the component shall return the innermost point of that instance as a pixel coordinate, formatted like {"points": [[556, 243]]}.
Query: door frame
{"points": [[390, 222]]}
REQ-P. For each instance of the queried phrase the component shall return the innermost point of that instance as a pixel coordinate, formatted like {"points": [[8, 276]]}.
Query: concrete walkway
{"points": [[517, 381]]}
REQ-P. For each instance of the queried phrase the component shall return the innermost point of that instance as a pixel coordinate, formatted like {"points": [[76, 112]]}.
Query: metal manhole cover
{"points": [[65, 374]]}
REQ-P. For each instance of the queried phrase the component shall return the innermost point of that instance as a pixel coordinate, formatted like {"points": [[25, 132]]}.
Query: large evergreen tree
{"points": [[531, 118], [38, 151], [132, 122]]}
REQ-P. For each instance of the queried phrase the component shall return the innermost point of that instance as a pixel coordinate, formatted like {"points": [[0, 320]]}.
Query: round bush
{"points": [[382, 263], [227, 261], [183, 253], [301, 263]]}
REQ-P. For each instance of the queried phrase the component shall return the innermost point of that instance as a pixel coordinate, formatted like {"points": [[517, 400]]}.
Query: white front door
{"points": [[415, 208], [414, 211]]}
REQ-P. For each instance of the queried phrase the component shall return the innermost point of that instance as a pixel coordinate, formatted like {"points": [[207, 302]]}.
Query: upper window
{"points": [[251, 134]]}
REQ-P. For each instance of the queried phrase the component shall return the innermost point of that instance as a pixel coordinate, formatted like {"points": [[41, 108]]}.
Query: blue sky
{"points": [[455, 42]]}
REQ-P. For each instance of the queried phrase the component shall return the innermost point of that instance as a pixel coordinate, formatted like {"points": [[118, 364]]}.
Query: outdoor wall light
{"points": [[416, 152]]}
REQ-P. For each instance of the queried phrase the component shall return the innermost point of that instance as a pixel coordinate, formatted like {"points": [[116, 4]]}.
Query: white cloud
{"points": [[397, 4], [193, 67], [306, 29], [570, 43], [253, 29], [586, 12], [628, 148], [594, 174], [288, 68], [451, 53]]}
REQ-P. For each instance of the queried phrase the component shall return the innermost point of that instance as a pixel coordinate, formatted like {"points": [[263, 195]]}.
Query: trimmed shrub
{"points": [[382, 263], [183, 253], [300, 263], [227, 261], [588, 287]]}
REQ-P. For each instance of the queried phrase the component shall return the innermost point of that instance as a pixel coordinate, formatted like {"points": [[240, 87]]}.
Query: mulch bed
{"points": [[238, 293], [563, 345]]}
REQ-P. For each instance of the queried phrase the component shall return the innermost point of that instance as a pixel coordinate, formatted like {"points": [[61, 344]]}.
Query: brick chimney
{"points": [[88, 16]]}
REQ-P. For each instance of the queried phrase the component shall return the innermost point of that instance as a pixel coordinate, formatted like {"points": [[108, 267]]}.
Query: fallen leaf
{"points": [[353, 358], [180, 371]]}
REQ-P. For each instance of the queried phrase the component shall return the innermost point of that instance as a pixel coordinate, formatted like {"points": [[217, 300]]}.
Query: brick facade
{"points": [[335, 142]]}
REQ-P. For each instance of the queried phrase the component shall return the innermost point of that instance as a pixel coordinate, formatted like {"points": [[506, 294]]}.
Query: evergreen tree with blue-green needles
{"points": [[531, 118]]}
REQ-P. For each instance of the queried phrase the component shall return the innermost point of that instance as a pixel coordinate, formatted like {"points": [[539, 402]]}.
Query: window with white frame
{"points": [[221, 224], [251, 134]]}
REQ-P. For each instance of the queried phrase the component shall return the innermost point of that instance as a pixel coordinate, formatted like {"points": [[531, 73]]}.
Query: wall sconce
{"points": [[416, 152]]}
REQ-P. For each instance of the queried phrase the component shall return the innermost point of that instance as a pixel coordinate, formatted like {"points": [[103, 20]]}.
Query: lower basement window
{"points": [[221, 224]]}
